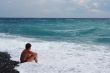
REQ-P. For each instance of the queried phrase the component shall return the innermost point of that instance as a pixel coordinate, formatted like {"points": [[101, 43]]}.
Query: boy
{"points": [[27, 55]]}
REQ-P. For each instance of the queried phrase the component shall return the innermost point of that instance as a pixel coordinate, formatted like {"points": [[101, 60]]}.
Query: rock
{"points": [[7, 65]]}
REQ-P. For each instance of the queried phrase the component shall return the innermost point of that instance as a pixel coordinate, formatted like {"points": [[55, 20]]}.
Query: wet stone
{"points": [[7, 65]]}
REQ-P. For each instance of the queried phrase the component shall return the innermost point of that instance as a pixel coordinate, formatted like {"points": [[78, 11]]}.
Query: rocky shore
{"points": [[6, 64]]}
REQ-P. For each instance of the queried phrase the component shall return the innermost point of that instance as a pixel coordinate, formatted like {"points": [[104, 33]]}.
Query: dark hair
{"points": [[27, 46]]}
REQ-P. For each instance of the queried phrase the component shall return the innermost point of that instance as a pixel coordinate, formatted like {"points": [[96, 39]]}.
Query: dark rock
{"points": [[7, 65]]}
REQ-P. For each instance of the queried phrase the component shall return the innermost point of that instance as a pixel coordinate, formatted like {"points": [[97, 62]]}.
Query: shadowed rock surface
{"points": [[7, 65]]}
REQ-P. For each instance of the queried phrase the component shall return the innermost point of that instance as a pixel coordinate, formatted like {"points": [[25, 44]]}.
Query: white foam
{"points": [[59, 57]]}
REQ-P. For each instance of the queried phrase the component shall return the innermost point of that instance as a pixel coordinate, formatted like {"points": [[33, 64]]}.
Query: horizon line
{"points": [[58, 18]]}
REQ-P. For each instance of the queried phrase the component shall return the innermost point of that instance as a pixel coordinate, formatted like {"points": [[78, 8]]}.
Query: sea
{"points": [[64, 45], [59, 29]]}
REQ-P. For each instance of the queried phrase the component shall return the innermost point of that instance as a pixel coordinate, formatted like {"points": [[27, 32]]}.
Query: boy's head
{"points": [[28, 46]]}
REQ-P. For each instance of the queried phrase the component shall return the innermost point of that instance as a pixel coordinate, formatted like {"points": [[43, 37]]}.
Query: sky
{"points": [[55, 8]]}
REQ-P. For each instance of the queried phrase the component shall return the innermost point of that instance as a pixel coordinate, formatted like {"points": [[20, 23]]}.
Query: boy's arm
{"points": [[32, 53], [35, 55]]}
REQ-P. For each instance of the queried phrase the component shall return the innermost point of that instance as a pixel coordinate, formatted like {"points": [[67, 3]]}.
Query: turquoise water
{"points": [[70, 30]]}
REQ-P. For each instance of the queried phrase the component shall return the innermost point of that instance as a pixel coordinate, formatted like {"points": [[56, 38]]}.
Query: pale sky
{"points": [[55, 8]]}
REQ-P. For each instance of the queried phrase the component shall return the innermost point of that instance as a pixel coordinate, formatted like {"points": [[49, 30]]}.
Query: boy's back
{"points": [[27, 55]]}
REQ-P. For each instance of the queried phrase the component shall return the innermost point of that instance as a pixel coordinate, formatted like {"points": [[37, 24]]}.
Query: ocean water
{"points": [[63, 45], [71, 30]]}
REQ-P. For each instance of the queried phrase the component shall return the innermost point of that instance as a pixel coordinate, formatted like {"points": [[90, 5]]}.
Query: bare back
{"points": [[27, 55]]}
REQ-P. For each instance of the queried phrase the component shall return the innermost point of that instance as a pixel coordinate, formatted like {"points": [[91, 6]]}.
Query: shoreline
{"points": [[6, 64]]}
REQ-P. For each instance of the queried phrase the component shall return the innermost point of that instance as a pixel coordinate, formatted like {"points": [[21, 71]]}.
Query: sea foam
{"points": [[58, 57]]}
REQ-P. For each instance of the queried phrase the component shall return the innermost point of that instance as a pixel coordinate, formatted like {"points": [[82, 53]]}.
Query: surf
{"points": [[55, 57]]}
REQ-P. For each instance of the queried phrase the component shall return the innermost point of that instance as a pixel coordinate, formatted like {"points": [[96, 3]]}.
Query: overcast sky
{"points": [[55, 8]]}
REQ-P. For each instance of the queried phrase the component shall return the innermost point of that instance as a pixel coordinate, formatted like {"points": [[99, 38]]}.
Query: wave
{"points": [[86, 31], [72, 35], [103, 40], [57, 29], [58, 57]]}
